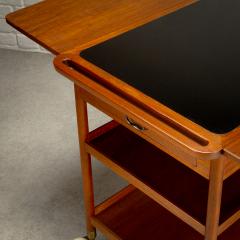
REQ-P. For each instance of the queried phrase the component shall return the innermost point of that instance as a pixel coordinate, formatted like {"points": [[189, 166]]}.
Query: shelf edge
{"points": [[178, 212]]}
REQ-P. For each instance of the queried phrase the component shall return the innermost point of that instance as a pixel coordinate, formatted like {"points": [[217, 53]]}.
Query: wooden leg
{"points": [[82, 120], [214, 198]]}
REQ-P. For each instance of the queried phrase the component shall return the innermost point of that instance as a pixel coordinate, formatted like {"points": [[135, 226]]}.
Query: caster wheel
{"points": [[91, 236]]}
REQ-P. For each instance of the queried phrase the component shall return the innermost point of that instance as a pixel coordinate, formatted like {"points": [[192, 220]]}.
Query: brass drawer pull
{"points": [[134, 124]]}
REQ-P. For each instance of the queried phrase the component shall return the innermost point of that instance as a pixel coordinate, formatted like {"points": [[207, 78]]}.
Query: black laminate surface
{"points": [[188, 60]]}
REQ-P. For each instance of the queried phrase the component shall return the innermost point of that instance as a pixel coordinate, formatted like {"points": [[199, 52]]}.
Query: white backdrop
{"points": [[9, 37]]}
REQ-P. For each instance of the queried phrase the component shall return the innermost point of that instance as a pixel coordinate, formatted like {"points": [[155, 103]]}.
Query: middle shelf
{"points": [[168, 179]]}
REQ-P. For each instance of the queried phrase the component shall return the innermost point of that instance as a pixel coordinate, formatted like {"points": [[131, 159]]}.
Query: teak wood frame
{"points": [[215, 158], [216, 168], [104, 19], [216, 179]]}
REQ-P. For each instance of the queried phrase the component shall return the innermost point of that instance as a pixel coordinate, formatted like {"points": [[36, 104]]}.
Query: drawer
{"points": [[202, 167], [170, 136], [138, 126]]}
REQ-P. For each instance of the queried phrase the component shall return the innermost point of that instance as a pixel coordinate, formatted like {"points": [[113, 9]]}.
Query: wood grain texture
{"points": [[233, 150], [145, 166], [114, 199], [187, 218], [70, 25], [138, 217], [224, 226], [202, 167], [130, 217], [86, 166], [214, 199], [172, 129], [98, 91]]}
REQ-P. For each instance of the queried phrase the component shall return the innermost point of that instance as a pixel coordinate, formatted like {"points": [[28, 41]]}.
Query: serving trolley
{"points": [[155, 67]]}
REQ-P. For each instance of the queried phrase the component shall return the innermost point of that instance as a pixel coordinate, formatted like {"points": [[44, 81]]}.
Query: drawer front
{"points": [[140, 127]]}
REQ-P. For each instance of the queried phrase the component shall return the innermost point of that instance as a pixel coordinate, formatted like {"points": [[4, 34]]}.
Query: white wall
{"points": [[11, 38]]}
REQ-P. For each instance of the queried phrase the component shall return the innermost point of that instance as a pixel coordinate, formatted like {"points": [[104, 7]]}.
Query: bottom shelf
{"points": [[136, 216], [162, 173]]}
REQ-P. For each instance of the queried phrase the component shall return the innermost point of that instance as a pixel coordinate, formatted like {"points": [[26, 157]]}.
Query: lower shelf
{"points": [[165, 175], [136, 216]]}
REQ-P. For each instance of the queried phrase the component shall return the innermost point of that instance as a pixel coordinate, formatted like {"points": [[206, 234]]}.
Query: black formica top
{"points": [[188, 60]]}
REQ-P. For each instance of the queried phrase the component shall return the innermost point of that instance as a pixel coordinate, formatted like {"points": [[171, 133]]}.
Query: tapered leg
{"points": [[214, 198], [82, 120]]}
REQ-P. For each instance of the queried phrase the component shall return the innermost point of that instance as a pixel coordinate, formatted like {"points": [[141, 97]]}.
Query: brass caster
{"points": [[91, 235]]}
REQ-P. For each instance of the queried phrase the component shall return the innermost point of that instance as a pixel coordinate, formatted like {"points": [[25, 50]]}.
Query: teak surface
{"points": [[75, 25], [233, 150], [69, 25], [152, 166], [123, 220]]}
